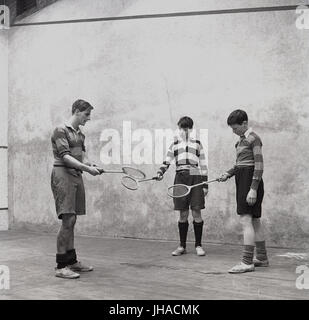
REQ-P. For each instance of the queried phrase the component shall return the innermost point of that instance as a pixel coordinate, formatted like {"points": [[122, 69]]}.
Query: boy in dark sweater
{"points": [[248, 173]]}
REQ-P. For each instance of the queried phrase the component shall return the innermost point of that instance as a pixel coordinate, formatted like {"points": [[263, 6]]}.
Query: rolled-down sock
{"points": [[71, 256], [247, 256], [261, 252], [61, 260]]}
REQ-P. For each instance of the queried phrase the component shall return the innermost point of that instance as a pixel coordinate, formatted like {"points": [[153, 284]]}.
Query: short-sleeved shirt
{"points": [[67, 140]]}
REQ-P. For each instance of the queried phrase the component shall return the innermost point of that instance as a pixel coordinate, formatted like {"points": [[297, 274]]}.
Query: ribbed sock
{"points": [[198, 231], [183, 231], [261, 253], [248, 252]]}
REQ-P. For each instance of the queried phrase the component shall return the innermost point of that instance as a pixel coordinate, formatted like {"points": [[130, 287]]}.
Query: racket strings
{"points": [[133, 172], [129, 182], [178, 191]]}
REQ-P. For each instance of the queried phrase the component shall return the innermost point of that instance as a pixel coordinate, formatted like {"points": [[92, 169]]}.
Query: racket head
{"points": [[133, 172], [129, 182], [178, 191]]}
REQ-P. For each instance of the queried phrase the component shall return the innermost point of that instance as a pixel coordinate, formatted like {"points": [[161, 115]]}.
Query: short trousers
{"points": [[68, 189], [243, 179], [195, 199]]}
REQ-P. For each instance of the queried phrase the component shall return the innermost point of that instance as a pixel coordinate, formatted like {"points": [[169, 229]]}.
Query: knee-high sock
{"points": [[183, 231], [198, 231]]}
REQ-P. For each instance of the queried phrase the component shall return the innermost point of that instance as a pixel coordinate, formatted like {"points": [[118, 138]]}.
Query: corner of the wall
{"points": [[4, 220]]}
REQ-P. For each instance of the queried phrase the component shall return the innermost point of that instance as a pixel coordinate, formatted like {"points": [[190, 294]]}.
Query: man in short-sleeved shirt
{"points": [[67, 140], [68, 143], [67, 183]]}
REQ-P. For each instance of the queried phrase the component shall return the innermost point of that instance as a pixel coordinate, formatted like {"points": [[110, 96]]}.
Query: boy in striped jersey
{"points": [[248, 173], [191, 168]]}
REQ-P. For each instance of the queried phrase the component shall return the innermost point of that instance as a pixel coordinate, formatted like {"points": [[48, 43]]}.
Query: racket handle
{"points": [[210, 181], [148, 179]]}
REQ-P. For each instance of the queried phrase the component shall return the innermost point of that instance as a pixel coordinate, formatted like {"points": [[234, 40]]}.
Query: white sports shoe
{"points": [[179, 251], [66, 273], [200, 251], [260, 263], [79, 267], [241, 268]]}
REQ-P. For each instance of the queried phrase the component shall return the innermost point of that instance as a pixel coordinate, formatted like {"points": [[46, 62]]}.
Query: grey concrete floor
{"points": [[141, 269]]}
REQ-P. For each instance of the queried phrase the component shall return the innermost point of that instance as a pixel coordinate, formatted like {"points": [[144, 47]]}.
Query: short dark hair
{"points": [[81, 105], [185, 122], [237, 117]]}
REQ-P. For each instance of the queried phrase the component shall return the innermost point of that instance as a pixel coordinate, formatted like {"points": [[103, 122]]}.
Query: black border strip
{"points": [[4, 209], [163, 15], [3, 147]]}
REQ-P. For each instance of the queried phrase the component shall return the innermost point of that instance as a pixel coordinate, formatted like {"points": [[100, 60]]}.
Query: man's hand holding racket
{"points": [[71, 162], [93, 170]]}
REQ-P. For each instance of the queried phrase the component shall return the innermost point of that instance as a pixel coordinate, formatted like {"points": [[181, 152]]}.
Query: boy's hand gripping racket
{"points": [[182, 190], [132, 183]]}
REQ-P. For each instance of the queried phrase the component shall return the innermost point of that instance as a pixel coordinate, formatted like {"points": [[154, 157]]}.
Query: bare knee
{"points": [[68, 222], [197, 216], [183, 216], [246, 221], [256, 222]]}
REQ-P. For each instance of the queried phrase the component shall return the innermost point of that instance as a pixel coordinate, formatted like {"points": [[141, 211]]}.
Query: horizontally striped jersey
{"points": [[188, 155], [249, 153]]}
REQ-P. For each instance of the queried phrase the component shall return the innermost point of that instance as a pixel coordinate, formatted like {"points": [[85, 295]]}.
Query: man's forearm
{"points": [[74, 163]]}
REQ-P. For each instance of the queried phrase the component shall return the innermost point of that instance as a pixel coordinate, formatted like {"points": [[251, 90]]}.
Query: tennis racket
{"points": [[133, 184], [128, 171], [182, 190]]}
